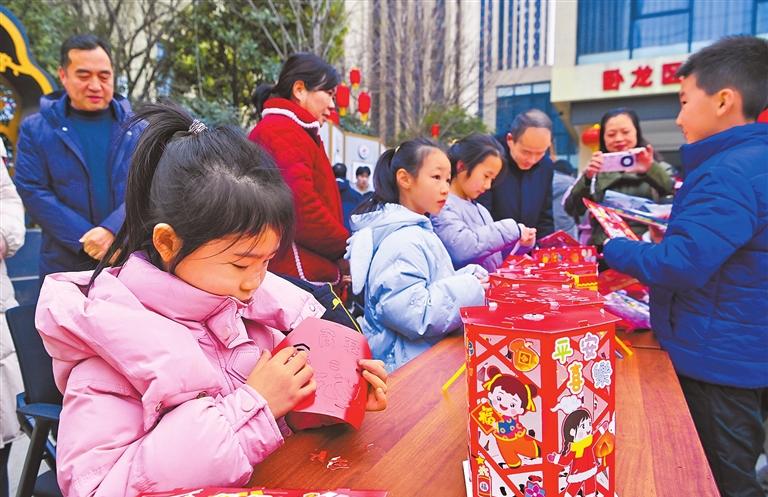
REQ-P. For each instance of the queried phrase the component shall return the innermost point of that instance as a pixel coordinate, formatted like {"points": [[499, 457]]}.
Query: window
{"points": [[611, 30], [761, 18], [512, 100]]}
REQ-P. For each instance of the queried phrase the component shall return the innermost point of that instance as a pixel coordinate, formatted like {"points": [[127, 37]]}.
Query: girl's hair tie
{"points": [[197, 127]]}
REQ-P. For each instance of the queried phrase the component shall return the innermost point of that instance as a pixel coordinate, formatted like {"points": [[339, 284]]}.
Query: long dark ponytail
{"points": [[408, 155], [315, 72], [205, 183]]}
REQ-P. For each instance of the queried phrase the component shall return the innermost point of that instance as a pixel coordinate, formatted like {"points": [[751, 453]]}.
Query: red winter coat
{"points": [[290, 134]]}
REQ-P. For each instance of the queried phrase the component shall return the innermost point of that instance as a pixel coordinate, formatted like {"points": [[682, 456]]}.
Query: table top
{"points": [[417, 445]]}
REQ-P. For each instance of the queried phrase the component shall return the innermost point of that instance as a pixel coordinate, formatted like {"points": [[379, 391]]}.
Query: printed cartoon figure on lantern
{"points": [[509, 398], [578, 455]]}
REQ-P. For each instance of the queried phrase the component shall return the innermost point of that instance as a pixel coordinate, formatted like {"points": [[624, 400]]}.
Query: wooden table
{"points": [[416, 446]]}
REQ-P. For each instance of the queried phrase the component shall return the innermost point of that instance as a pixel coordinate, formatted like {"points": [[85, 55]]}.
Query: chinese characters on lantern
{"points": [[641, 77]]}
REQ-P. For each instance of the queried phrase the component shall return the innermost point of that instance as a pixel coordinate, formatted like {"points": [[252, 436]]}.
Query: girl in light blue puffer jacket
{"points": [[412, 293]]}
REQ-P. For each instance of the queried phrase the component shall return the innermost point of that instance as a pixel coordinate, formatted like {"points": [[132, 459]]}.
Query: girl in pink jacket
{"points": [[162, 352]]}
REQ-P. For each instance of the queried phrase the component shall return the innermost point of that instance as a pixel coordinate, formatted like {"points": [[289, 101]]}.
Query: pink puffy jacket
{"points": [[153, 373]]}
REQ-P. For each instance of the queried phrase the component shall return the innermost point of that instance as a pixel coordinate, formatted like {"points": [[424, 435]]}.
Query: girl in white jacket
{"points": [[11, 239]]}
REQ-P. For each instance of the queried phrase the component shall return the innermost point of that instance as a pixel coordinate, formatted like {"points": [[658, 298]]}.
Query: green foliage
{"points": [[338, 17], [354, 124], [211, 112], [219, 53], [217, 58], [455, 123], [216, 52], [47, 24]]}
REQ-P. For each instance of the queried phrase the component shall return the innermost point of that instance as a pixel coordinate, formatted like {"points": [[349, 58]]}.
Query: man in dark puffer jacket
{"points": [[709, 275]]}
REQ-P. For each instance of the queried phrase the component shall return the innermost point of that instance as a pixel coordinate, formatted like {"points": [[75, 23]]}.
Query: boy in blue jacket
{"points": [[709, 275]]}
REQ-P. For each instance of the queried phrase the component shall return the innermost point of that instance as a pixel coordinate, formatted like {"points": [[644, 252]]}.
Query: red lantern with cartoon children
{"points": [[541, 400]]}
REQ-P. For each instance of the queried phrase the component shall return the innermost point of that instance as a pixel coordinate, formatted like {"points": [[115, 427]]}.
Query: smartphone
{"points": [[625, 161]]}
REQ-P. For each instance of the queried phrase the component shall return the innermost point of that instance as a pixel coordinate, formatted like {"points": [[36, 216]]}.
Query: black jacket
{"points": [[525, 196]]}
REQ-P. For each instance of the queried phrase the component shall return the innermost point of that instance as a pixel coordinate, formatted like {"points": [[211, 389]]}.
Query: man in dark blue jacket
{"points": [[523, 192], [73, 159], [349, 197], [709, 274]]}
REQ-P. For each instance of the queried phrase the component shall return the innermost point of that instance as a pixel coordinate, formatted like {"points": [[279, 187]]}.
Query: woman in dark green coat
{"points": [[619, 131]]}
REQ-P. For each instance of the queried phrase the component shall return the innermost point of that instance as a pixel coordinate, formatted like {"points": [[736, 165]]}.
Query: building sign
{"points": [[639, 77]]}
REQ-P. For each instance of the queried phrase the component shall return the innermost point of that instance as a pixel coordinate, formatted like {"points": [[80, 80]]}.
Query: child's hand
{"points": [[657, 234], [376, 376], [284, 379], [527, 236]]}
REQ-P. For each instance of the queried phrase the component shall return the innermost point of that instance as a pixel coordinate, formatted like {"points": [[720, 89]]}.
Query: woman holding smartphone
{"points": [[619, 132]]}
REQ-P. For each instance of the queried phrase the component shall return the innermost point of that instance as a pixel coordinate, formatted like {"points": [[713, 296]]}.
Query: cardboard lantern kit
{"points": [[518, 261], [613, 224], [557, 239], [334, 351], [541, 400], [551, 297], [514, 278], [566, 255], [582, 275]]}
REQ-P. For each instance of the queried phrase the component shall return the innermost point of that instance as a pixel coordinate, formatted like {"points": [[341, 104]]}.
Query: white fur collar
{"points": [[287, 113]]}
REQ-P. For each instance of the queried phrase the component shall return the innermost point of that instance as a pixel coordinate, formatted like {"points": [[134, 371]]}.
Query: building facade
{"points": [[576, 59], [413, 54], [516, 56], [624, 53]]}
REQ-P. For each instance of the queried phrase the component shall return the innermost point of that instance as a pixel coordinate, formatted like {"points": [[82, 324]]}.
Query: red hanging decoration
{"points": [[334, 117], [342, 98], [355, 77], [435, 130], [364, 105], [591, 137]]}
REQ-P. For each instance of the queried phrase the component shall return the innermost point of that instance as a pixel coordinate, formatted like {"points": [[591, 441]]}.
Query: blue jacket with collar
{"points": [[412, 293], [709, 276], [52, 180]]}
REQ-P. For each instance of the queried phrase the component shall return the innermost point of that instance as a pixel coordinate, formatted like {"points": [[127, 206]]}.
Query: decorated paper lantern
{"points": [[435, 130], [354, 77], [591, 137], [364, 105], [334, 117], [559, 366], [342, 98]]}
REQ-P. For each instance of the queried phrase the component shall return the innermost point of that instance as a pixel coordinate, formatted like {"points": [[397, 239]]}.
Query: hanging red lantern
{"points": [[591, 137], [334, 117], [435, 130], [342, 98], [763, 117], [354, 77], [364, 105]]}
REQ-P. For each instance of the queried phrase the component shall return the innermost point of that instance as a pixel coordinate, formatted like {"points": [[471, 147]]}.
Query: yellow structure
{"points": [[22, 81]]}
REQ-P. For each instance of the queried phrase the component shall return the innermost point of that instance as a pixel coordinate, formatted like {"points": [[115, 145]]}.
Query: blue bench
{"points": [[23, 268]]}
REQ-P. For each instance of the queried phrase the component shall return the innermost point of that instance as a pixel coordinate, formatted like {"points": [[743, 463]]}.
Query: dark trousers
{"points": [[730, 425], [5, 452]]}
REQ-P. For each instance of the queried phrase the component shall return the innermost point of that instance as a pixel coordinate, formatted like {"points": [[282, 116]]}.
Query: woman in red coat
{"points": [[292, 112]]}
